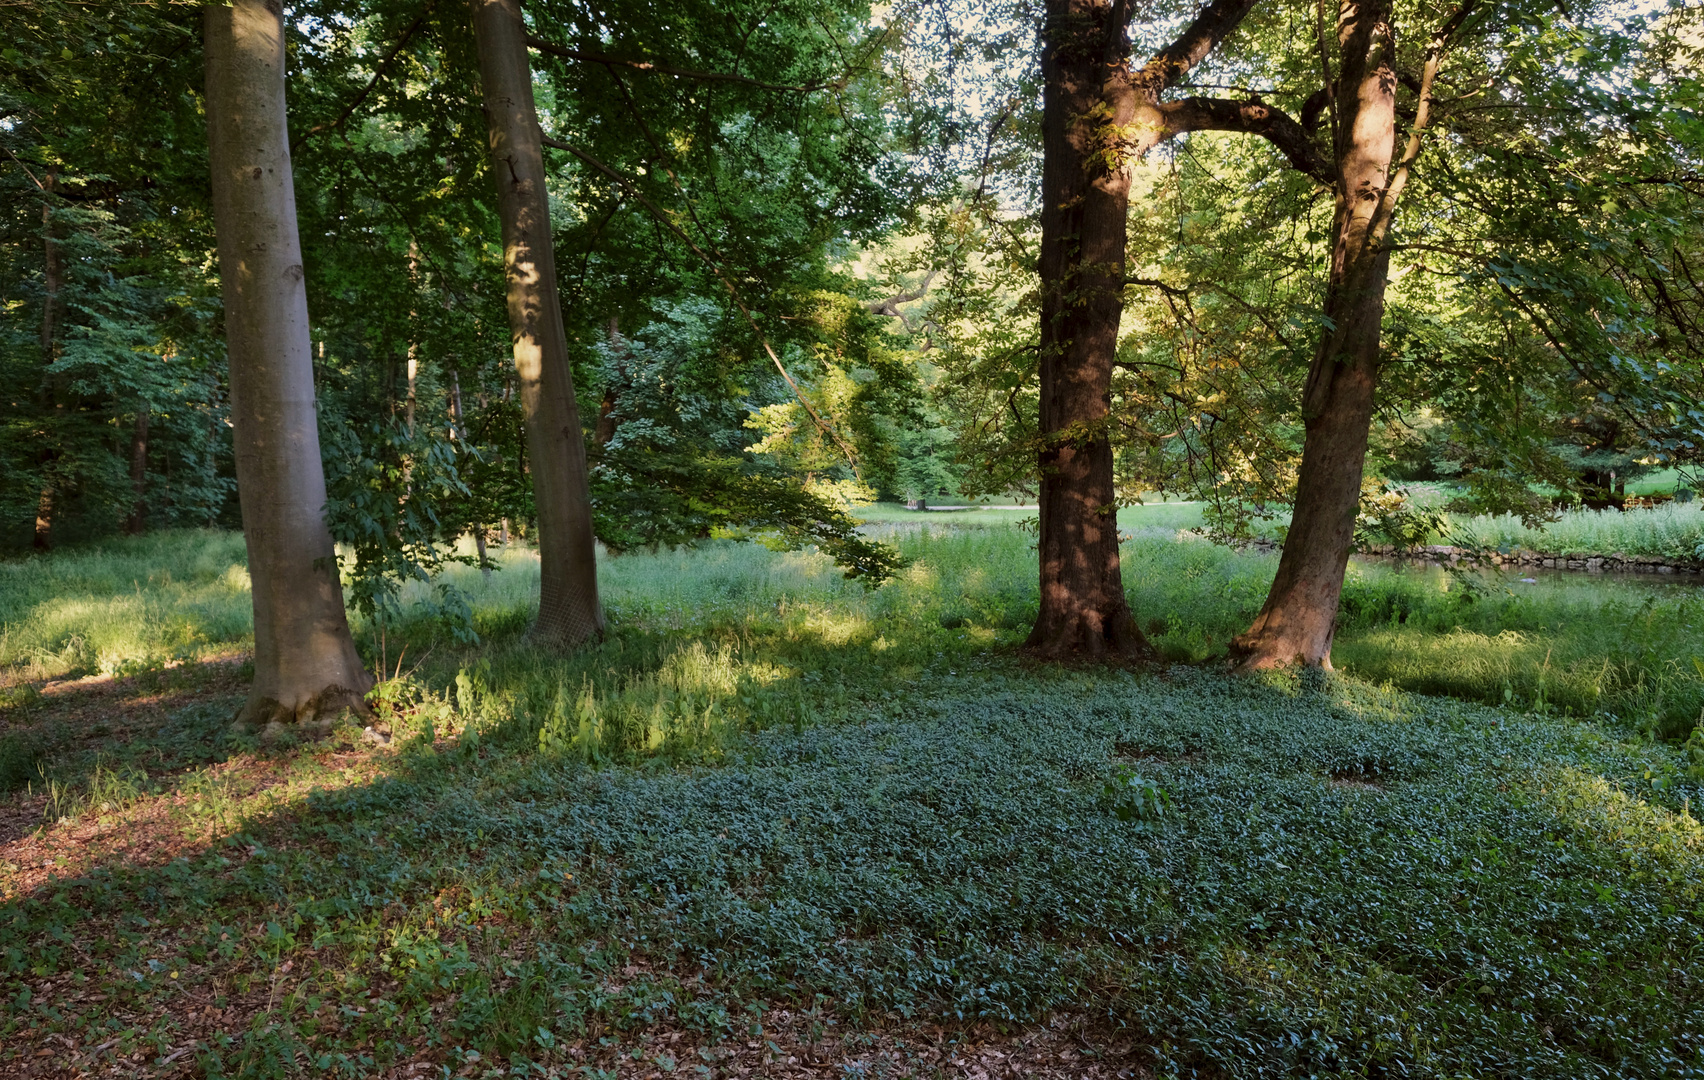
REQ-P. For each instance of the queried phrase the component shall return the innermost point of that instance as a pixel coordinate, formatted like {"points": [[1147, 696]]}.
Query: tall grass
{"points": [[784, 632], [123, 603], [1672, 531]]}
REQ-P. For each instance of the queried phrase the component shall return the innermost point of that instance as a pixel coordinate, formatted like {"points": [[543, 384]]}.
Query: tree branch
{"points": [[1251, 118], [1422, 114], [378, 72], [663, 69], [890, 306], [1202, 36]]}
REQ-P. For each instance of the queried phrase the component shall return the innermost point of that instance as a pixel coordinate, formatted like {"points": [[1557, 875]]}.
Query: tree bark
{"points": [[1083, 607], [1098, 119], [604, 431], [137, 522], [1297, 622], [53, 279], [44, 520], [461, 439], [569, 612], [305, 663], [53, 271]]}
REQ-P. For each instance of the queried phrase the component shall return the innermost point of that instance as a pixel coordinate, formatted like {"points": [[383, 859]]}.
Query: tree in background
{"points": [[568, 612], [305, 660], [113, 417]]}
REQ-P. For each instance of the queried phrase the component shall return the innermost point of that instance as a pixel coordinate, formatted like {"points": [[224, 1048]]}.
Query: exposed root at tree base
{"points": [[1260, 652], [313, 718], [1085, 638]]}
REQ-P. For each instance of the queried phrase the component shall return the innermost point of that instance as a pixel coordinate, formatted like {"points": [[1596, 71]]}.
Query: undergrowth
{"points": [[1253, 878], [770, 785]]}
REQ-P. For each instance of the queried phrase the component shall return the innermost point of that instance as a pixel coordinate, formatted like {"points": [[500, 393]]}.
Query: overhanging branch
{"points": [[1251, 118]]}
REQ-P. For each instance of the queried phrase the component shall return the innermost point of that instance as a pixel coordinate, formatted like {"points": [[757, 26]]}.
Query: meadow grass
{"points": [[1672, 531], [123, 603], [772, 788]]}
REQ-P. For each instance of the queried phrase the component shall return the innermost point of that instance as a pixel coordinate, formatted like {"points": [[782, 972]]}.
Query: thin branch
{"points": [[890, 306], [1422, 114], [664, 69], [378, 72], [24, 167], [662, 156]]}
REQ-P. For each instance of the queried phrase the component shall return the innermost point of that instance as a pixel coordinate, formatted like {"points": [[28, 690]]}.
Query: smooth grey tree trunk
{"points": [[569, 612], [305, 663]]}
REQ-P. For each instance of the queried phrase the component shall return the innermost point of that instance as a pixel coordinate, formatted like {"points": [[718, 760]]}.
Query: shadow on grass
{"points": [[935, 855]]}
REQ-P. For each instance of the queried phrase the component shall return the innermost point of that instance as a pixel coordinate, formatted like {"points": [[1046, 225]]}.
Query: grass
{"points": [[776, 809], [1669, 532], [123, 604]]}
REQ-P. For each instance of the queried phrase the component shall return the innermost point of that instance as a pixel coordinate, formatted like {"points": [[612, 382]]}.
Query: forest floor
{"points": [[779, 825]]}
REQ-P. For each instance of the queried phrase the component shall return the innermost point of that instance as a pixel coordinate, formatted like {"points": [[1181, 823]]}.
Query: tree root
{"points": [[312, 719]]}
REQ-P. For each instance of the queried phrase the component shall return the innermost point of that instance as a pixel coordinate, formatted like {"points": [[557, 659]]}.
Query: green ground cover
{"points": [[773, 786]]}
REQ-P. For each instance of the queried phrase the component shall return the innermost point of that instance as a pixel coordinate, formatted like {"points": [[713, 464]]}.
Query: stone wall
{"points": [[1443, 554]]}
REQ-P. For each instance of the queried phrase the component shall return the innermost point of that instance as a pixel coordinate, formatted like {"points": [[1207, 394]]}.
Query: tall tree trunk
{"points": [[1299, 618], [305, 663], [138, 519], [1098, 119], [44, 519], [604, 430], [53, 281], [53, 270], [568, 610], [1084, 204]]}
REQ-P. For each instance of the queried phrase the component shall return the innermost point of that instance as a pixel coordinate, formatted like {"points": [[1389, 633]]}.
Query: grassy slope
{"points": [[1346, 879]]}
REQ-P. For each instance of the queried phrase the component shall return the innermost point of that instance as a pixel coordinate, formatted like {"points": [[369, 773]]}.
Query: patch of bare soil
{"points": [[792, 1046]]}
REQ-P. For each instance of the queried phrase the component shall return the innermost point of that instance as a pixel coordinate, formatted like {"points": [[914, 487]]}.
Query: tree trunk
{"points": [[52, 280], [305, 663], [53, 271], [1298, 620], [568, 611], [604, 431], [138, 520], [44, 520], [1084, 203], [1098, 119]]}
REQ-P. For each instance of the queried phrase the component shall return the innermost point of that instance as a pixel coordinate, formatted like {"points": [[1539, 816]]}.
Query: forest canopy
{"points": [[804, 260]]}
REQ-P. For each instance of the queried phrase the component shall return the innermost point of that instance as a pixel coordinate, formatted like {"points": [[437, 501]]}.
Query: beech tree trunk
{"points": [[53, 279], [604, 430], [1296, 624], [461, 438], [305, 663], [569, 612], [53, 270], [1083, 607]]}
